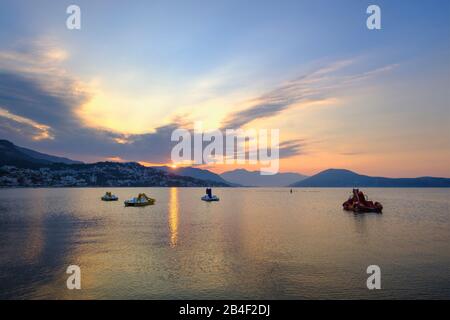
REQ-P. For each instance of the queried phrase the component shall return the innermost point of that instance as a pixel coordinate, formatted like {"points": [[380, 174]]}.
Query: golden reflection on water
{"points": [[34, 238], [173, 216]]}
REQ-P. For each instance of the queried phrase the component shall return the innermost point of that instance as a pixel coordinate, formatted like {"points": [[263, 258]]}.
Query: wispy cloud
{"points": [[355, 153], [39, 131], [314, 87], [291, 148]]}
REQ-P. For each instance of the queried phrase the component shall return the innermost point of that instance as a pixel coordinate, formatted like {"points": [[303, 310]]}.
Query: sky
{"points": [[343, 96]]}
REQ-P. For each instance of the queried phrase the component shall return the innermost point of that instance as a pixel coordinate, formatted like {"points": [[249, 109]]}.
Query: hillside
{"points": [[193, 173], [255, 179], [27, 158], [108, 174], [347, 178], [21, 167]]}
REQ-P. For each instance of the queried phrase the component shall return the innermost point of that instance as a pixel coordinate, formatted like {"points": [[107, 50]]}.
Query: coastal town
{"points": [[108, 174]]}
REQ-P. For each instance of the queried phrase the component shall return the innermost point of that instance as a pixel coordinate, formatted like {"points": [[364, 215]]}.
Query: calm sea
{"points": [[253, 244]]}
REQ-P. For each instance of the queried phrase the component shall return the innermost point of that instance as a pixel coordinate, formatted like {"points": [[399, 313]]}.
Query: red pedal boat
{"points": [[358, 202]]}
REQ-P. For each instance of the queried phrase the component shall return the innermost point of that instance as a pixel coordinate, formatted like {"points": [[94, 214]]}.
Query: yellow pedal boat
{"points": [[140, 201]]}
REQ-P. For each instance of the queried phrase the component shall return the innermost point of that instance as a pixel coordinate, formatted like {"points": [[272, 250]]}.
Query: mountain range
{"points": [[25, 167], [346, 178], [255, 179], [193, 173]]}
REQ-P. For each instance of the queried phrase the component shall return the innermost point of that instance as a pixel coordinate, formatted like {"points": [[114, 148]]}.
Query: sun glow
{"points": [[124, 114]]}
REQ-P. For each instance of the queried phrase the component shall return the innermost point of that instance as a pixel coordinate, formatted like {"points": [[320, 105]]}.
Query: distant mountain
{"points": [[23, 157], [193, 173], [255, 179], [349, 179]]}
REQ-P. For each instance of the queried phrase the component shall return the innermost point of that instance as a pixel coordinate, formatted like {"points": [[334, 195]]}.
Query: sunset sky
{"points": [[373, 101]]}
